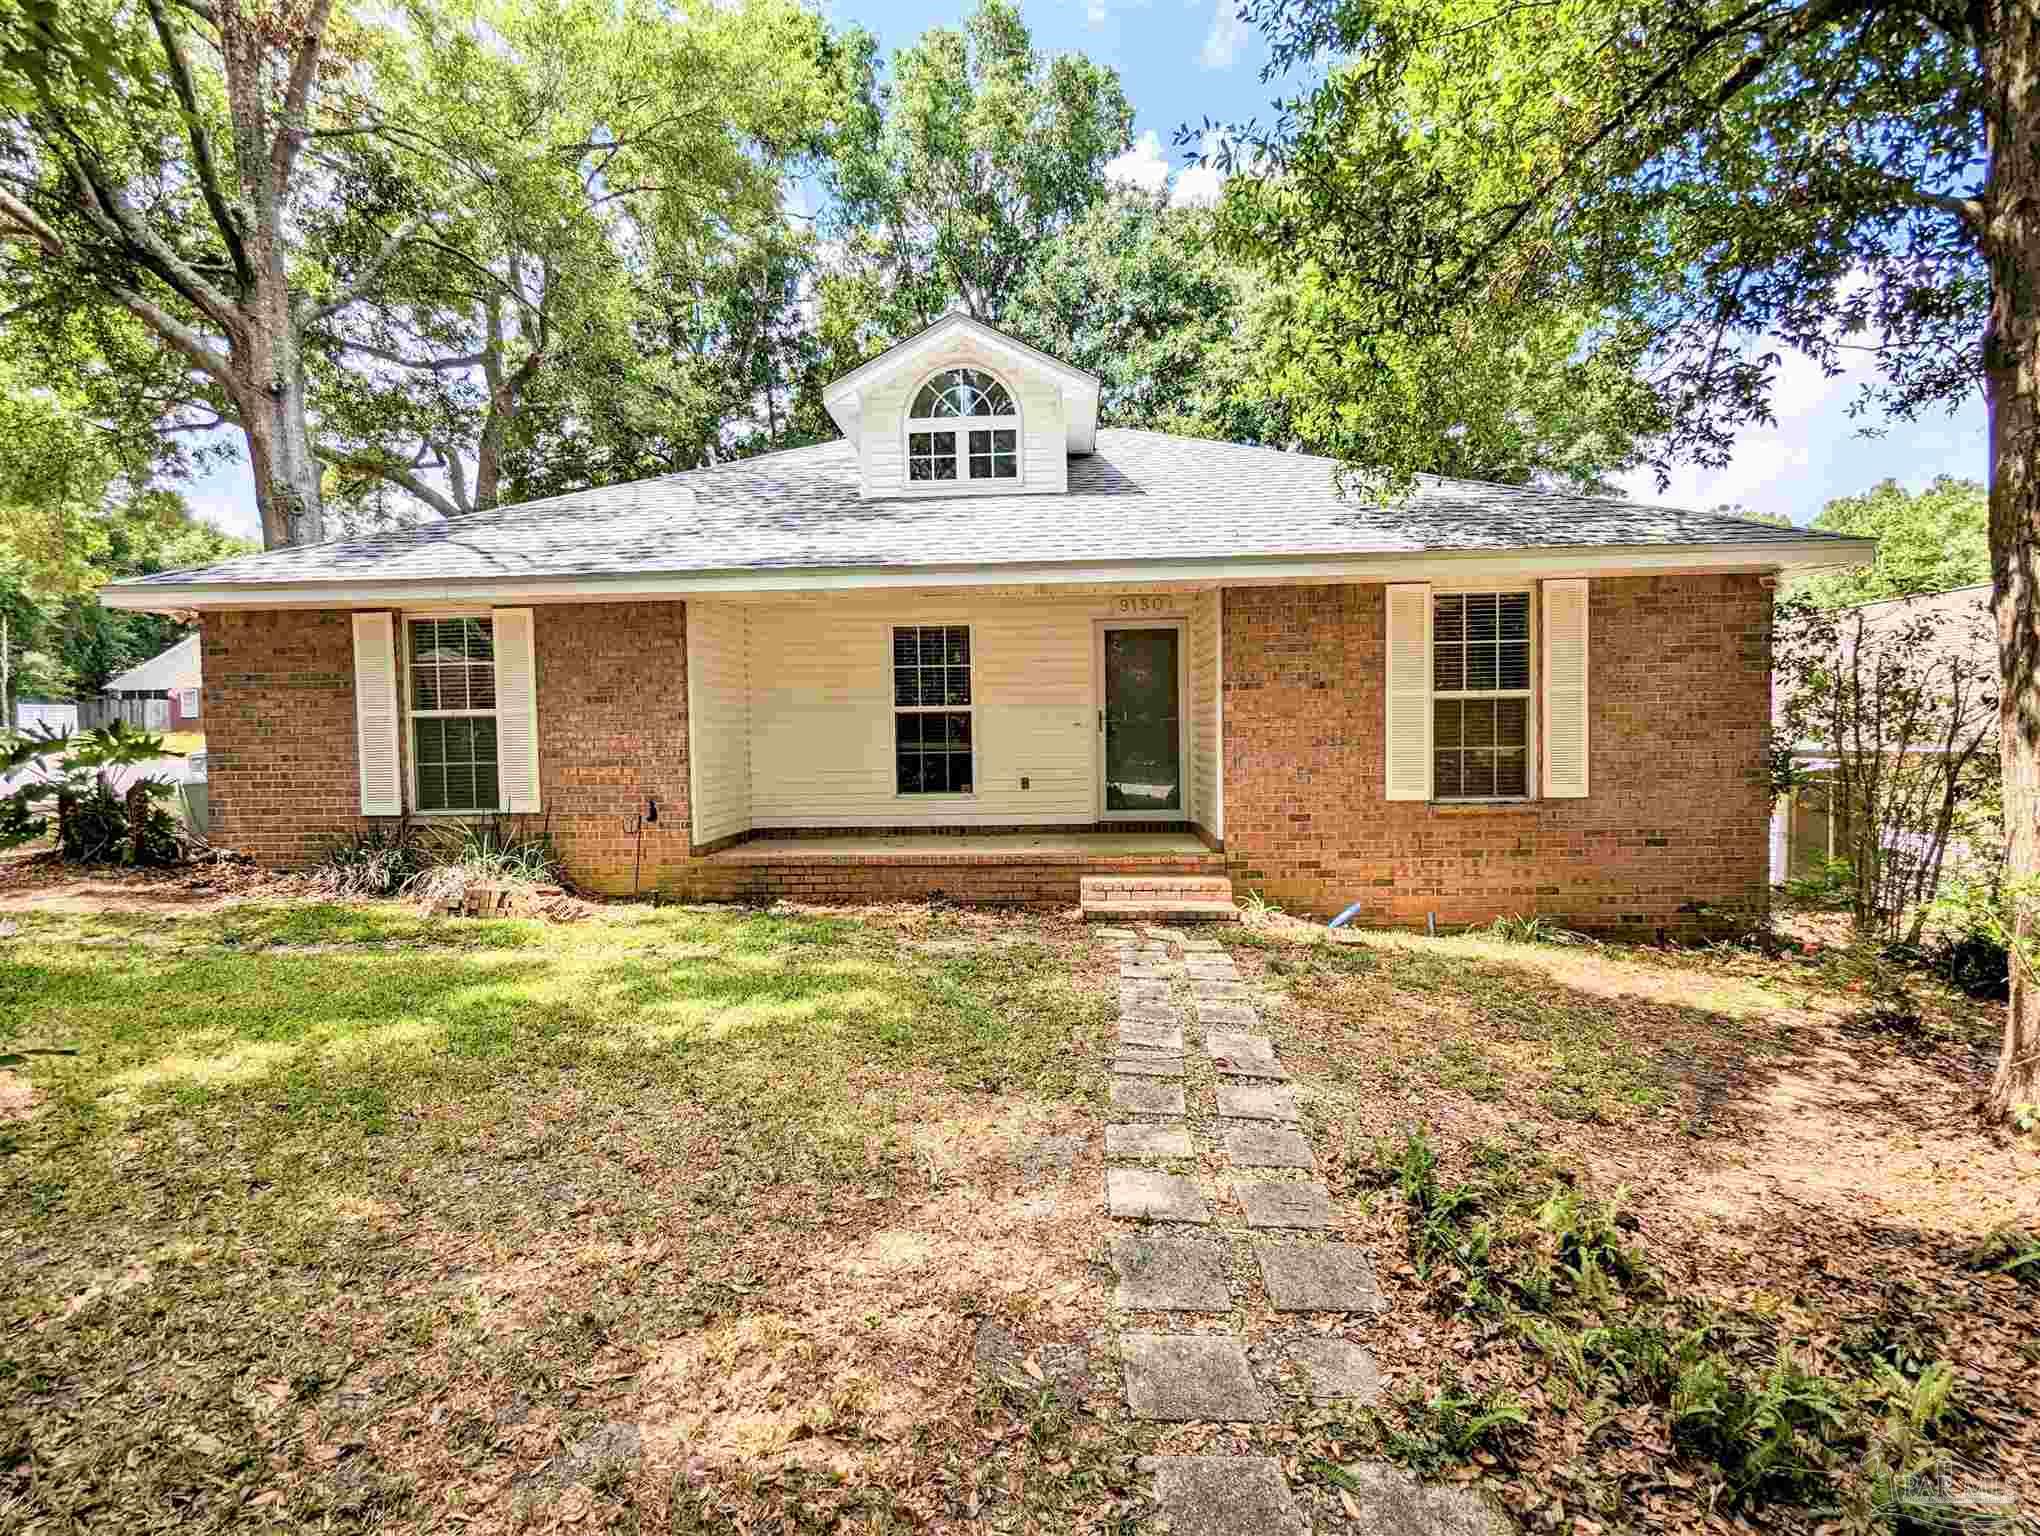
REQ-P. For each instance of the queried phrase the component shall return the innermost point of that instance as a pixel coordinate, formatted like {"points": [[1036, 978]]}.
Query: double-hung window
{"points": [[452, 663], [933, 742], [963, 425], [1480, 695]]}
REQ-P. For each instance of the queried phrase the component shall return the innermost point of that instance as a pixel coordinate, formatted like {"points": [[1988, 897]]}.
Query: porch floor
{"points": [[1046, 847]]}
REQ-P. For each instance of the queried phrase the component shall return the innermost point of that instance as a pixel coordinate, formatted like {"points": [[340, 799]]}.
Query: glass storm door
{"points": [[1142, 722]]}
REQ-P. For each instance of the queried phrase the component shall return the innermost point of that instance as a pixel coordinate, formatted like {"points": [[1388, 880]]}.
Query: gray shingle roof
{"points": [[1141, 496], [178, 667]]}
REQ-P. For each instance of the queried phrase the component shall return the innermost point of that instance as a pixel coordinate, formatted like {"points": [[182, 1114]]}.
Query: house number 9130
{"points": [[1144, 604]]}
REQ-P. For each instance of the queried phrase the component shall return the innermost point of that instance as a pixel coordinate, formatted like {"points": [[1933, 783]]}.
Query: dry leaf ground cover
{"points": [[343, 1218], [1674, 1238]]}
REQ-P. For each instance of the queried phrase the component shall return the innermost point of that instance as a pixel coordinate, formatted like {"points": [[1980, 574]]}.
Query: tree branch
{"points": [[177, 334], [387, 468], [103, 208], [366, 275], [426, 365], [456, 475], [201, 148], [28, 222], [304, 74]]}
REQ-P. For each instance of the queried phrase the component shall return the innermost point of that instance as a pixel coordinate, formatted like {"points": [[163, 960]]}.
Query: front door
{"points": [[1142, 721]]}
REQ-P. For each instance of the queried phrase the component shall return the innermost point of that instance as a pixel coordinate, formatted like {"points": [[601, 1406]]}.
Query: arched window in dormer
{"points": [[963, 425]]}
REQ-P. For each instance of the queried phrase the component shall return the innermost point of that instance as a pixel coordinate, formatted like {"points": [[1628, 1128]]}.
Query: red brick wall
{"points": [[612, 719], [612, 734], [1679, 694], [1005, 880], [279, 732]]}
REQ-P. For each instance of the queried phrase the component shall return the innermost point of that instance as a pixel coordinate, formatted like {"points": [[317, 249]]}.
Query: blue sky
{"points": [[1185, 60]]}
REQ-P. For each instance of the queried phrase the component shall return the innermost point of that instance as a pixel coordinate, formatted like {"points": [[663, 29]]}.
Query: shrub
{"points": [[378, 860], [67, 787], [435, 864], [492, 852], [1513, 928], [1768, 1434], [1971, 942], [1451, 1425]]}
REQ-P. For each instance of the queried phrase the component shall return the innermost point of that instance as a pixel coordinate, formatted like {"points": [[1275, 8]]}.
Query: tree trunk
{"points": [[2011, 365], [287, 491]]}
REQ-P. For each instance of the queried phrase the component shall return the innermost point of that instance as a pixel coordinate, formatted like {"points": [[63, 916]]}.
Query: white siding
{"points": [[1044, 461], [822, 719], [719, 718], [1202, 705]]}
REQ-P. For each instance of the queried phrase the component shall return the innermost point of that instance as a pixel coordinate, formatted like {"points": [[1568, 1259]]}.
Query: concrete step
{"points": [[1158, 899]]}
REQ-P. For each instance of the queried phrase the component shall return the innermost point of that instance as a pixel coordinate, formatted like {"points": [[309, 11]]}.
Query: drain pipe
{"points": [[1344, 917]]}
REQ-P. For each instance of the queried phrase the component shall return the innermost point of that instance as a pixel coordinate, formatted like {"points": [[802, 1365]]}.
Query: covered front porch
{"points": [[986, 744], [883, 727]]}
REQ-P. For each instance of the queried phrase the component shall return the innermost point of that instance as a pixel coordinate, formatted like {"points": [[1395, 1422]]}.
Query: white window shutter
{"points": [[375, 714], [516, 709], [1565, 689], [1408, 728]]}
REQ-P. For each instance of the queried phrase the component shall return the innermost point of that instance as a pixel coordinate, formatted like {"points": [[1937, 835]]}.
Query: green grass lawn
{"points": [[338, 1211]]}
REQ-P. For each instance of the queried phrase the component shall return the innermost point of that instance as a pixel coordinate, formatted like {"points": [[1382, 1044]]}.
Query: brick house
{"points": [[980, 646]]}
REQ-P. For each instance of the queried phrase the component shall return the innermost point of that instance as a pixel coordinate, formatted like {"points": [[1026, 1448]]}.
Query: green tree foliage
{"points": [[1134, 291], [1698, 177], [1931, 541], [598, 184], [153, 163], [973, 153], [1540, 394], [75, 512], [1186, 340], [410, 250], [1723, 180]]}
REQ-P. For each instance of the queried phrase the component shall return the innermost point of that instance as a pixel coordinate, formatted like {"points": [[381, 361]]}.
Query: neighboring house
{"points": [[981, 647], [164, 693], [1805, 832]]}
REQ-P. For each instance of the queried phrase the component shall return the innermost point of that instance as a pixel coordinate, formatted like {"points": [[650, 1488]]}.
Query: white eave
{"points": [[1450, 567], [844, 399]]}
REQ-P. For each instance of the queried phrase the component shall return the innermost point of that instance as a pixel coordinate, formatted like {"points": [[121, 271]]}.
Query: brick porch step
{"points": [[1158, 899]]}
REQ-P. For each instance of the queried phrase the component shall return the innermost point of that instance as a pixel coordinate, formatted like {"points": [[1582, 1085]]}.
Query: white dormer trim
{"points": [[844, 398]]}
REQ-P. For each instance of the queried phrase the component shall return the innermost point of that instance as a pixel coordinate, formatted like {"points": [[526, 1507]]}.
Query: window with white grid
{"points": [[963, 425], [1480, 695], [934, 748], [452, 665]]}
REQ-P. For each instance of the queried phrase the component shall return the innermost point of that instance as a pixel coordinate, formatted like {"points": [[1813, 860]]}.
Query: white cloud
{"points": [[1143, 166], [1197, 186], [1146, 166], [1228, 32]]}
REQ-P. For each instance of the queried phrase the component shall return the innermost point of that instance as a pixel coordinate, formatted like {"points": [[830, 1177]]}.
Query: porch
{"points": [[969, 729], [1162, 874], [1050, 846]]}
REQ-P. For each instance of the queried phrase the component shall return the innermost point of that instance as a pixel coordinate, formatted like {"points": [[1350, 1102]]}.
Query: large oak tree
{"points": [[152, 157], [1727, 178], [408, 246]]}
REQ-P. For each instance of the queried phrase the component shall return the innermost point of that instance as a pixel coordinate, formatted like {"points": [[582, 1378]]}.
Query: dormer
{"points": [[962, 409]]}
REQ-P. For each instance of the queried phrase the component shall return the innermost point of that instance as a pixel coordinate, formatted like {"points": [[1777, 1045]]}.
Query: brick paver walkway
{"points": [[1223, 1202]]}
